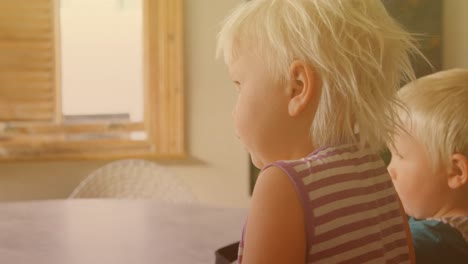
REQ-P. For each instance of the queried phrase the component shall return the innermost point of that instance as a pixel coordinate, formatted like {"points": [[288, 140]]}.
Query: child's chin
{"points": [[255, 162], [416, 216]]}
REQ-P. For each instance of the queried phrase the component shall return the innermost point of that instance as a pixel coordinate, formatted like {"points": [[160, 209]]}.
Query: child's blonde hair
{"points": [[359, 53], [437, 114]]}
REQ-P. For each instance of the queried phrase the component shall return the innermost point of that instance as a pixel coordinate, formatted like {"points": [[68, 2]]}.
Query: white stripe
{"points": [[326, 208], [343, 238], [340, 221], [337, 157], [342, 170], [348, 185], [355, 252]]}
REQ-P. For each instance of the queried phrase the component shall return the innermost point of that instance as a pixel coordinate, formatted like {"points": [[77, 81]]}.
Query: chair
{"points": [[134, 179]]}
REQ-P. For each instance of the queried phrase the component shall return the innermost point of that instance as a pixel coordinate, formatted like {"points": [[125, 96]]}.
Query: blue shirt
{"points": [[438, 242]]}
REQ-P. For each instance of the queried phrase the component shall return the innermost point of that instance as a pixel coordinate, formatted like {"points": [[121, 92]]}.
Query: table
{"points": [[114, 231]]}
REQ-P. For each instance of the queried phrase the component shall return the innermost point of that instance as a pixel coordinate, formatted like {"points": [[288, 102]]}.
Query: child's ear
{"points": [[458, 176], [301, 86]]}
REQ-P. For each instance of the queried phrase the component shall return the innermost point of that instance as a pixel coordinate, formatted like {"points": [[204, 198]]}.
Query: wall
{"points": [[218, 167], [455, 34]]}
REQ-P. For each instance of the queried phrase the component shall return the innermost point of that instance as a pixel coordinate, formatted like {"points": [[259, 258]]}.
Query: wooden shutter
{"points": [[27, 60]]}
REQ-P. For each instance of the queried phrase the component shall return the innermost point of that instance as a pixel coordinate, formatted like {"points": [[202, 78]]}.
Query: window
{"points": [[32, 123]]}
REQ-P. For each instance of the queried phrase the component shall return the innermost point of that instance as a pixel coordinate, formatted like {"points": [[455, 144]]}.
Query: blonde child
{"points": [[429, 165], [317, 83]]}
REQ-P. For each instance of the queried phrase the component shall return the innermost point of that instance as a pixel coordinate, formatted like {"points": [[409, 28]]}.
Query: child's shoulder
{"points": [[275, 212]]}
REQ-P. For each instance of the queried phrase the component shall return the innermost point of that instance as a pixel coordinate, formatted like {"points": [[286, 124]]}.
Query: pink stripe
{"points": [[398, 259], [317, 154], [348, 210], [289, 164], [321, 154], [313, 157], [364, 257], [361, 224], [357, 243], [339, 163], [378, 253], [351, 176], [334, 197], [396, 244]]}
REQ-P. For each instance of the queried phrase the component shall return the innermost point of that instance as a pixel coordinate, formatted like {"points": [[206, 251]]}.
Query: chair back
{"points": [[134, 178]]}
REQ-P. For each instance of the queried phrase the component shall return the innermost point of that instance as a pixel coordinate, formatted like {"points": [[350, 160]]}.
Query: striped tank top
{"points": [[352, 212]]}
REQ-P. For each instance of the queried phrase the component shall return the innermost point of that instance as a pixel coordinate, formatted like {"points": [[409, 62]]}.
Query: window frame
{"points": [[163, 104]]}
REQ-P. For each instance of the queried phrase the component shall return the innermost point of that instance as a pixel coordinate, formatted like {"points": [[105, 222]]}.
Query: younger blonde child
{"points": [[429, 165], [317, 82]]}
